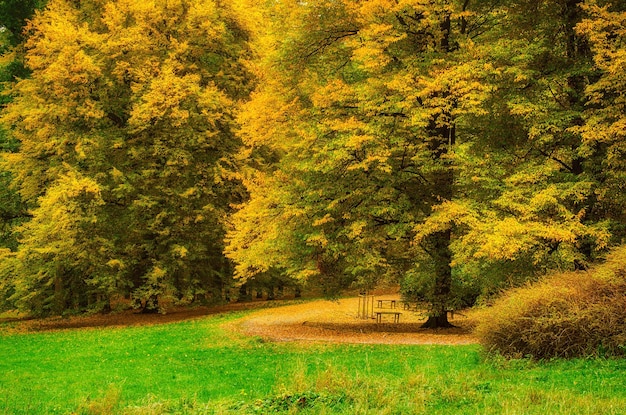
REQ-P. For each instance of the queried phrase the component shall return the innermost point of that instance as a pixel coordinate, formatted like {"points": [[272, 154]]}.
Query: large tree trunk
{"points": [[437, 246], [442, 138], [437, 322], [441, 255], [59, 296], [245, 294]]}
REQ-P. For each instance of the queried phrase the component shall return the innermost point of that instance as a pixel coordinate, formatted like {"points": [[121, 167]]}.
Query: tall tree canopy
{"points": [[125, 131], [453, 146], [13, 18], [543, 209], [434, 142], [368, 101], [604, 130]]}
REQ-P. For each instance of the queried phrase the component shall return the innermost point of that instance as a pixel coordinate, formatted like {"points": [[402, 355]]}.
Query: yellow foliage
{"points": [[167, 93], [126, 131], [326, 219], [319, 240], [116, 264], [445, 216], [156, 275], [355, 230], [179, 251], [265, 117], [57, 221], [335, 92]]}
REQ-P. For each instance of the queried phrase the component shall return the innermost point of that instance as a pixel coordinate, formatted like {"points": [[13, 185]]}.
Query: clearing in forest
{"points": [[312, 320], [336, 321]]}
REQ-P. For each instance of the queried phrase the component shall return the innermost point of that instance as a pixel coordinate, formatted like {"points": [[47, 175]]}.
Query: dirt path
{"points": [[336, 321], [121, 319]]}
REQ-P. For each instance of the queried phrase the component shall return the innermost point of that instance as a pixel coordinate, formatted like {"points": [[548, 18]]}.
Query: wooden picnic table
{"points": [[379, 316], [392, 303]]}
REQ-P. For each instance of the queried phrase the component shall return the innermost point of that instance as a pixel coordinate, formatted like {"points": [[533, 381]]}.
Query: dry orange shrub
{"points": [[571, 314]]}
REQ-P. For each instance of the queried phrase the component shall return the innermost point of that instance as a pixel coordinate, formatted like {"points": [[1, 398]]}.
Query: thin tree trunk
{"points": [[151, 306]]}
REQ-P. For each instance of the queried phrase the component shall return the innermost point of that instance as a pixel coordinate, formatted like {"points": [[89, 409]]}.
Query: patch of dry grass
{"points": [[572, 314]]}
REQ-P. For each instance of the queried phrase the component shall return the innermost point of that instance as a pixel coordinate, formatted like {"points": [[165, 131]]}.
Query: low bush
{"points": [[573, 314]]}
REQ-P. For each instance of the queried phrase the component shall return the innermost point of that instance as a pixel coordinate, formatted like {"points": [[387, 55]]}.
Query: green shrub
{"points": [[573, 314]]}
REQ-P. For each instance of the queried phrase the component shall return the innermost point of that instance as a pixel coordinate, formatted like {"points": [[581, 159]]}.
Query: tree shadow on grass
{"points": [[371, 327]]}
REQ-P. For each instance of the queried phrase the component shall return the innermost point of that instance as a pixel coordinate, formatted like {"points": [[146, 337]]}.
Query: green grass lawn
{"points": [[196, 367]]}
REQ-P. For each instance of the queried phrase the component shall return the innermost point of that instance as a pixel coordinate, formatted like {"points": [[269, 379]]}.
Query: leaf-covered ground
{"points": [[318, 320], [336, 321], [120, 319]]}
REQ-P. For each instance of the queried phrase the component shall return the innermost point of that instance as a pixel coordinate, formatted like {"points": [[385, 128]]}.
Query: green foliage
{"points": [[534, 187], [56, 243], [574, 314], [14, 14], [12, 211], [603, 132]]}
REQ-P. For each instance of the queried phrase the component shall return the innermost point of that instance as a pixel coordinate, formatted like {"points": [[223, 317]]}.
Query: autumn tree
{"points": [[546, 208], [442, 144], [604, 129], [13, 211], [13, 17], [125, 131], [450, 145], [367, 102]]}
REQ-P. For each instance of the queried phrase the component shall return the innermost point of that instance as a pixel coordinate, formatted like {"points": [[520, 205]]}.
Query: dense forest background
{"points": [[172, 152]]}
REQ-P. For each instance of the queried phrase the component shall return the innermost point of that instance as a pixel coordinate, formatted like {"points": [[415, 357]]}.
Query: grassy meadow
{"points": [[199, 367]]}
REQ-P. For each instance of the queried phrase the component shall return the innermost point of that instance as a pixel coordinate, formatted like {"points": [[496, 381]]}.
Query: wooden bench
{"points": [[392, 303], [379, 316]]}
